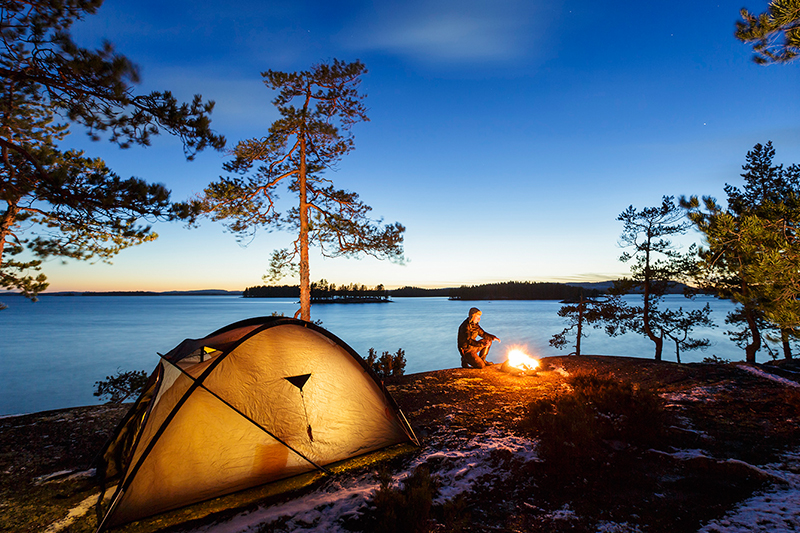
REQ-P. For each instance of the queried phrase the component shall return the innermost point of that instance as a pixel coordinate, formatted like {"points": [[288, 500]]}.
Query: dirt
{"points": [[46, 458]]}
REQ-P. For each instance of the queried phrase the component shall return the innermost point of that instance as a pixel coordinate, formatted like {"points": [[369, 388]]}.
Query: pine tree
{"points": [[61, 202], [656, 265], [580, 315], [774, 34], [678, 325], [752, 251], [306, 141]]}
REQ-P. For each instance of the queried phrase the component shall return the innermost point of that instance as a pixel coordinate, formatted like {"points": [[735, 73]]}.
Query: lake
{"points": [[53, 351]]}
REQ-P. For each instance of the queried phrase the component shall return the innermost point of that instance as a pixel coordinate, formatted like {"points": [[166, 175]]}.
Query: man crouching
{"points": [[474, 351]]}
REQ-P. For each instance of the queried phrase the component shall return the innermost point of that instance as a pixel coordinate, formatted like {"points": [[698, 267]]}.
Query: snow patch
{"points": [[614, 527], [322, 510], [78, 511], [776, 509], [697, 394], [766, 375], [462, 469], [565, 514], [561, 371]]}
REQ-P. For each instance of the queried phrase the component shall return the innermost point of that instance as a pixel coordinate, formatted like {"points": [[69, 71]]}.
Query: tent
{"points": [[257, 401]]}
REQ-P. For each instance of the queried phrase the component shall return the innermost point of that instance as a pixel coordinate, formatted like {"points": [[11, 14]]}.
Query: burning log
{"points": [[520, 363]]}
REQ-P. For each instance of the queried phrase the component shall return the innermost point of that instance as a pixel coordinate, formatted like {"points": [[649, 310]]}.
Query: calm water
{"points": [[53, 351]]}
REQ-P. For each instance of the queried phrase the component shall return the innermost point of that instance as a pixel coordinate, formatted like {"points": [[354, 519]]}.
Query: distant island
{"points": [[323, 292], [521, 290]]}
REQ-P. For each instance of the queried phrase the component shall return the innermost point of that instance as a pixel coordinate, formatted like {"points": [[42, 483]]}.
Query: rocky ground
{"points": [[727, 427]]}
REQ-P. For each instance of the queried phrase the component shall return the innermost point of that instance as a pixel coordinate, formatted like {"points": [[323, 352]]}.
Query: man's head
{"points": [[475, 315]]}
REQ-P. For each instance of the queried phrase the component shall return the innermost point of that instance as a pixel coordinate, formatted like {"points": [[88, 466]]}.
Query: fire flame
{"points": [[519, 359]]}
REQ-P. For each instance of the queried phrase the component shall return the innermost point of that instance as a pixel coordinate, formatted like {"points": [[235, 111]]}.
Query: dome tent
{"points": [[257, 401]]}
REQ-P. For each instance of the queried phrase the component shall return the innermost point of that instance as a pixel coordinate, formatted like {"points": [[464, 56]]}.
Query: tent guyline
{"points": [[221, 414]]}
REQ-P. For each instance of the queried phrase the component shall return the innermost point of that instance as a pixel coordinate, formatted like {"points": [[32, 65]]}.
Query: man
{"points": [[474, 351]]}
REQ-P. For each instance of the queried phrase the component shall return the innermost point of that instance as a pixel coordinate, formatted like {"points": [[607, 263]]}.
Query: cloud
{"points": [[449, 31]]}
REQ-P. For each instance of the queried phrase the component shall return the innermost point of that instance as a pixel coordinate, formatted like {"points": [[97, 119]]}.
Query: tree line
{"points": [[321, 291], [510, 290], [518, 290]]}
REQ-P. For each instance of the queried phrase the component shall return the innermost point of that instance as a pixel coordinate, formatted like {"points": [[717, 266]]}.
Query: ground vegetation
{"points": [[662, 447]]}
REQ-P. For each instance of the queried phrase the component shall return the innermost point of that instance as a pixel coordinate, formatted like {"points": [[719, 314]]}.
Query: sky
{"points": [[505, 135]]}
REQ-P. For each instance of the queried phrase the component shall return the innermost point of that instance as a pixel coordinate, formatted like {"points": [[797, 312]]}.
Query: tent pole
{"points": [[259, 426]]}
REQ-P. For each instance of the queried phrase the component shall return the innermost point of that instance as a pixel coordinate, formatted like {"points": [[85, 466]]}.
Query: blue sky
{"points": [[505, 135]]}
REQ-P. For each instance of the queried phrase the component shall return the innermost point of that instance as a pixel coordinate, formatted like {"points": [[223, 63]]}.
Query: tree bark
{"points": [[751, 349], [658, 341], [787, 349], [305, 278], [6, 222], [580, 327]]}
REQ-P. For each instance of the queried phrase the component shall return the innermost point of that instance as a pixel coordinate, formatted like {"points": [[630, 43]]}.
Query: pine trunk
{"points": [[305, 278], [751, 349], [6, 223], [580, 326], [658, 341], [787, 349]]}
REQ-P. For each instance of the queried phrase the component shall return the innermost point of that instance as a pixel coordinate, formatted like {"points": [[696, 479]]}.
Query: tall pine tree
{"points": [[656, 264], [58, 202], [751, 249], [318, 107]]}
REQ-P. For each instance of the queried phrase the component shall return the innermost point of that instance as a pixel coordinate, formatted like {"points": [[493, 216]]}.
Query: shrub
{"points": [[576, 426], [406, 509], [117, 389], [714, 360], [387, 365]]}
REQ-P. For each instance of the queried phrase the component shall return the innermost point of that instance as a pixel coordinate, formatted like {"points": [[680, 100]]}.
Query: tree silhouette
{"points": [[581, 314], [62, 202], [678, 325], [752, 250], [299, 147], [656, 265], [774, 34]]}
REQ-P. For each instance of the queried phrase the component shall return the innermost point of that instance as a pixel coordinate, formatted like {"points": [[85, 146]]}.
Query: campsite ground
{"points": [[727, 438]]}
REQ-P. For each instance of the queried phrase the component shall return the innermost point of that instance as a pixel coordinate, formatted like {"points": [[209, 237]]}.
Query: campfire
{"points": [[520, 362]]}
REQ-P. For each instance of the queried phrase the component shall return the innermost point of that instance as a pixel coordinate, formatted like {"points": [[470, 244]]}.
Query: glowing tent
{"points": [[257, 401]]}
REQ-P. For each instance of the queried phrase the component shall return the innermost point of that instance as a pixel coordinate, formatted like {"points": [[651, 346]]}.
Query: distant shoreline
{"points": [[206, 292]]}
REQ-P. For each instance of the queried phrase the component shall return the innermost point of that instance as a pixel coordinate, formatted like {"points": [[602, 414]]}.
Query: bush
{"points": [[387, 365], [406, 509], [410, 509], [714, 360], [576, 426], [119, 388]]}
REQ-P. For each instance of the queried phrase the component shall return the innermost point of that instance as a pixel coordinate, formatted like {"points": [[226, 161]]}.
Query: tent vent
{"points": [[299, 382]]}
